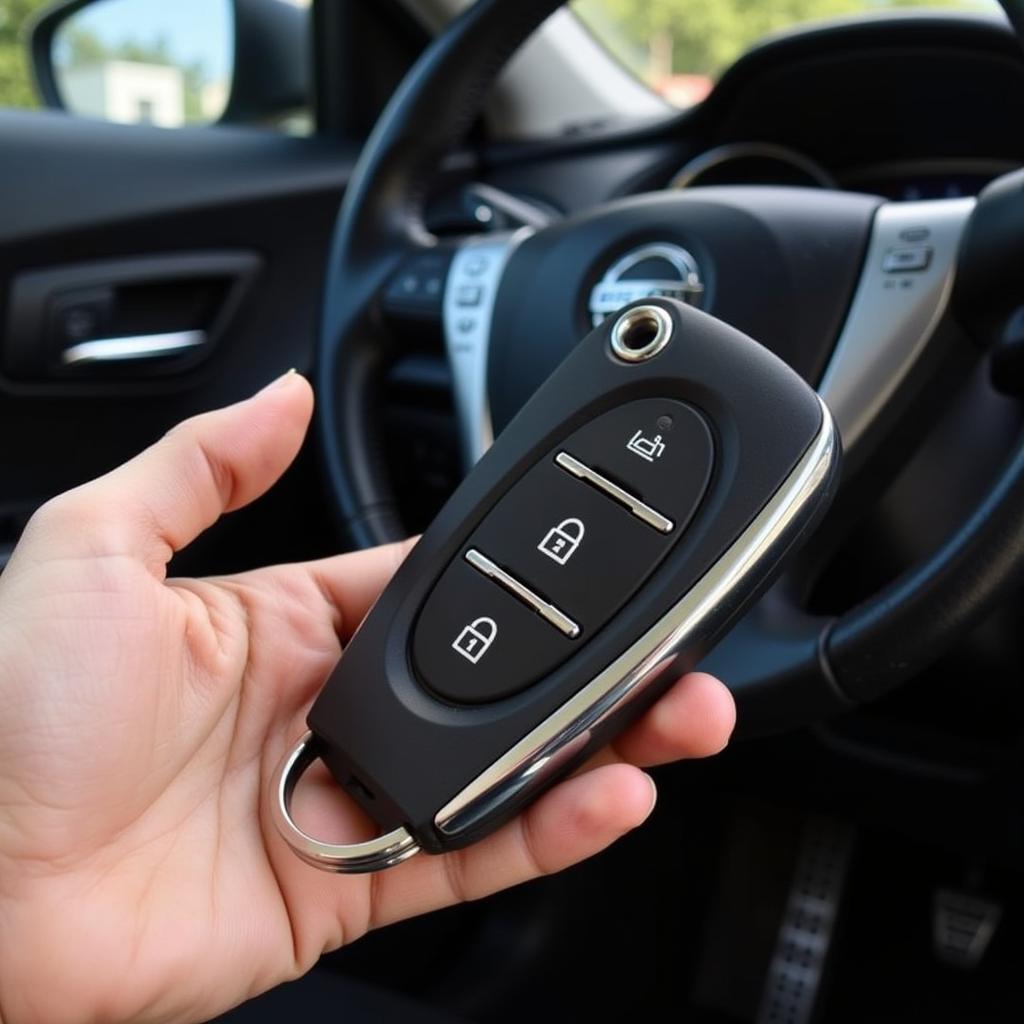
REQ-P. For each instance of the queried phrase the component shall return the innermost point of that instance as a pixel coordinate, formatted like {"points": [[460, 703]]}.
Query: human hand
{"points": [[142, 718]]}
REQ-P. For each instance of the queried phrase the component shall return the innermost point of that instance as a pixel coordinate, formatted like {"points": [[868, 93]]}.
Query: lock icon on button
{"points": [[561, 541], [475, 639]]}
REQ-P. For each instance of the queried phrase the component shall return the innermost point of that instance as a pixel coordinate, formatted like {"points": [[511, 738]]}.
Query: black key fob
{"points": [[627, 516]]}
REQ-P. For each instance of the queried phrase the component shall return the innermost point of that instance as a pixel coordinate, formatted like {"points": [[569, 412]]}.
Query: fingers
{"points": [[350, 583], [695, 718], [162, 499], [576, 819], [573, 821]]}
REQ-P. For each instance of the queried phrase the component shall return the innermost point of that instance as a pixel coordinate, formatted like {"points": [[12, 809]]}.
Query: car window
{"points": [[680, 47], [16, 89], [138, 61]]}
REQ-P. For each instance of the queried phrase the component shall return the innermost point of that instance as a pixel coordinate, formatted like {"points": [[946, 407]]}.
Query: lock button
{"points": [[475, 642], [571, 544], [561, 541]]}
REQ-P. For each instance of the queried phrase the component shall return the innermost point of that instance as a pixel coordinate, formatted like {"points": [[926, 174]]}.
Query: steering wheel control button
{"points": [[572, 545], [478, 640], [656, 452], [643, 512], [892, 315], [417, 289], [913, 258], [476, 273]]}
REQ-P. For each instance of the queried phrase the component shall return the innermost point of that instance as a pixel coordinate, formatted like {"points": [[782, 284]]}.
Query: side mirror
{"points": [[190, 62]]}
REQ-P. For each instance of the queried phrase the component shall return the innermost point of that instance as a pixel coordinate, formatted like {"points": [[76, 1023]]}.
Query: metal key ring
{"points": [[344, 858]]}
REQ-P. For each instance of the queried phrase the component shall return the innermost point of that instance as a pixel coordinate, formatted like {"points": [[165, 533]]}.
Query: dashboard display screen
{"points": [[912, 187]]}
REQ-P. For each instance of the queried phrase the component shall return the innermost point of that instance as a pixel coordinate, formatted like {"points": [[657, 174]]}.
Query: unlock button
{"points": [[474, 642]]}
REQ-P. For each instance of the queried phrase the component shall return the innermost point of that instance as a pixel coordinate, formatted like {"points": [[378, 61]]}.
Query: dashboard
{"points": [[762, 163], [928, 180], [908, 107]]}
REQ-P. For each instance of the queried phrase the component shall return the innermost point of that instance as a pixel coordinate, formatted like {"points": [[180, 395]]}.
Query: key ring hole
{"points": [[641, 333], [345, 858], [321, 806]]}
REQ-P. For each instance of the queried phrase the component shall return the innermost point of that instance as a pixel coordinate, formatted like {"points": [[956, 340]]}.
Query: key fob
{"points": [[629, 514]]}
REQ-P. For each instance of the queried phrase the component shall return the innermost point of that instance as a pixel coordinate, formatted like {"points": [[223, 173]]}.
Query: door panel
{"points": [[76, 192]]}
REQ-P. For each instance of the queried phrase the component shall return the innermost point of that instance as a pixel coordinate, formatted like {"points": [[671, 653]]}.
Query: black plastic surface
{"points": [[376, 722]]}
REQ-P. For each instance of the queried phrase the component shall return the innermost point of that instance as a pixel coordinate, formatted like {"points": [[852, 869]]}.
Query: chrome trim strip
{"points": [[644, 512], [538, 753], [893, 314], [125, 350], [555, 616], [475, 274]]}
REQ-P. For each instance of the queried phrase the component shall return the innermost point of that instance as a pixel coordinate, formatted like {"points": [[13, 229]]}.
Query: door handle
{"points": [[126, 321], [132, 349]]}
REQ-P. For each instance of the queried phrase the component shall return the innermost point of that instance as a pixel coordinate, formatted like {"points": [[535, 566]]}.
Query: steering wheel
{"points": [[796, 269]]}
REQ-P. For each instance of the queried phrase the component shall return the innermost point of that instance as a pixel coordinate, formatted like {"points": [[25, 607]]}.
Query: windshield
{"points": [[680, 47]]}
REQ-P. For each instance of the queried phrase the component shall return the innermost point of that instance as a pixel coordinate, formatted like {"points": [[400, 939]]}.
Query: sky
{"points": [[195, 30]]}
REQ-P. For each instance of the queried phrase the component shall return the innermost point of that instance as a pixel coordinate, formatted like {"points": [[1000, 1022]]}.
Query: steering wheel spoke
{"points": [[448, 291], [468, 312], [899, 302]]}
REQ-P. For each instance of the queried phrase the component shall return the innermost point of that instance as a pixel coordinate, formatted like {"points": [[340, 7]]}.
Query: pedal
{"points": [[808, 923], [963, 926]]}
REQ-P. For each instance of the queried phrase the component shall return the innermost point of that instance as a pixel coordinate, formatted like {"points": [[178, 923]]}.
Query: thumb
{"points": [[158, 502]]}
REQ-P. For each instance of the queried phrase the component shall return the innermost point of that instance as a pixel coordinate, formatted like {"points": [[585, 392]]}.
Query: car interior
{"points": [[423, 205]]}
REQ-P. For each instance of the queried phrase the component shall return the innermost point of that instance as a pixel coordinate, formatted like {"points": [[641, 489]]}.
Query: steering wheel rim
{"points": [[808, 667], [380, 223]]}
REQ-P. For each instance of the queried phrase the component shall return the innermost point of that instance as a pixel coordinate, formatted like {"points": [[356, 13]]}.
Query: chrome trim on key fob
{"points": [[547, 747]]}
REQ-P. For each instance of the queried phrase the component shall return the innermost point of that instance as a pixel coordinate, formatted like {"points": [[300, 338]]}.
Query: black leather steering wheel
{"points": [[813, 252]]}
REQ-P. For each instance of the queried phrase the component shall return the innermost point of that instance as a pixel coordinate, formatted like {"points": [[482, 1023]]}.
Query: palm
{"points": [[143, 719]]}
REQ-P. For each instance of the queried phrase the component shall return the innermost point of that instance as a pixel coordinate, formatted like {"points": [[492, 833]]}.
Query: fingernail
{"points": [[277, 382], [654, 797]]}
